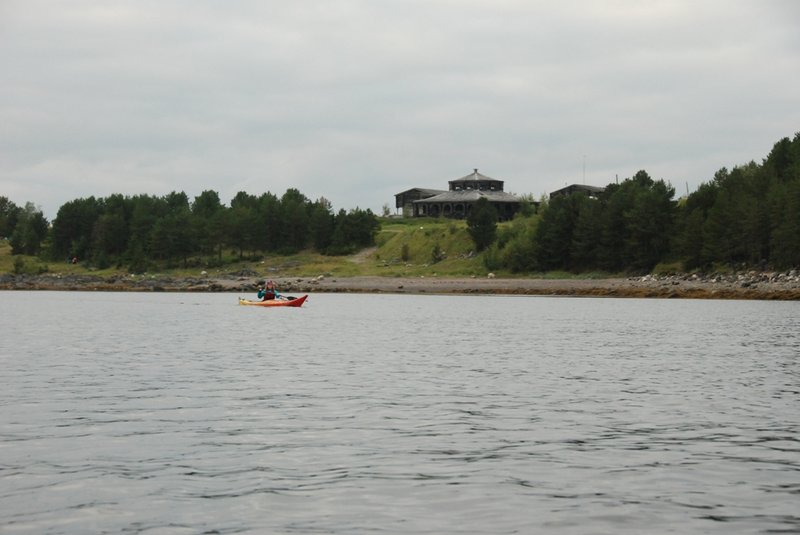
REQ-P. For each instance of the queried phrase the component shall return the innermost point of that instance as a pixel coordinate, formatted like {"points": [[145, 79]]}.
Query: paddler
{"points": [[267, 292]]}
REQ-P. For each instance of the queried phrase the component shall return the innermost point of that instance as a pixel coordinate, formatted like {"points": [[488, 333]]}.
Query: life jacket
{"points": [[265, 294]]}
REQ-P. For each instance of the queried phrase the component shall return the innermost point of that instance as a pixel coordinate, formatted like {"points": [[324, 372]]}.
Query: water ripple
{"points": [[398, 414]]}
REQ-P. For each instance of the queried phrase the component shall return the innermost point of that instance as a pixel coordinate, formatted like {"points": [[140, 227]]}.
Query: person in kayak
{"points": [[268, 292]]}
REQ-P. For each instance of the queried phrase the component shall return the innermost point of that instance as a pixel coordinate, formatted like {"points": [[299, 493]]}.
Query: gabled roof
{"points": [[422, 190]]}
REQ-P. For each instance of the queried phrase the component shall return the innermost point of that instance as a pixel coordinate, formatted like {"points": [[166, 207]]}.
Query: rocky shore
{"points": [[743, 285]]}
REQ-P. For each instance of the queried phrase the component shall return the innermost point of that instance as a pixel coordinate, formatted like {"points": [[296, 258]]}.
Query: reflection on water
{"points": [[184, 413]]}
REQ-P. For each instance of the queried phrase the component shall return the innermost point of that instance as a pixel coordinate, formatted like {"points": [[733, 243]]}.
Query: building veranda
{"points": [[459, 199]]}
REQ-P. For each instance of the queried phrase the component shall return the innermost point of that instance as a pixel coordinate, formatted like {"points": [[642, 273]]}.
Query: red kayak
{"points": [[286, 302]]}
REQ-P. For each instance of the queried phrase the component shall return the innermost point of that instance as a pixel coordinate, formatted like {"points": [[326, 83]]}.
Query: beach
{"points": [[745, 285]]}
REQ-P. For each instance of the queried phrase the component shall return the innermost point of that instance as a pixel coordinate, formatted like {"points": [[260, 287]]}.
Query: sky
{"points": [[357, 100]]}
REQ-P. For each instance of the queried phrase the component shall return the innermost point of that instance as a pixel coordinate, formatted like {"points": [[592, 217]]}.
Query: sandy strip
{"points": [[633, 287], [647, 287]]}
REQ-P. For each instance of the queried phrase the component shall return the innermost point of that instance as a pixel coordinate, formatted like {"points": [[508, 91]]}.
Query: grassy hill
{"points": [[403, 248]]}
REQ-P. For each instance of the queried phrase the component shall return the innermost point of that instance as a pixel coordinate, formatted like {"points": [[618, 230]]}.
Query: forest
{"points": [[745, 217], [135, 231]]}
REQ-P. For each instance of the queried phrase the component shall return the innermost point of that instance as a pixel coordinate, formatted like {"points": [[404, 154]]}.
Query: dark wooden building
{"points": [[590, 191], [458, 200], [405, 200]]}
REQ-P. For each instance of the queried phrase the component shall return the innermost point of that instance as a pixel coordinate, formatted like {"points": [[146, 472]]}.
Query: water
{"points": [[185, 413]]}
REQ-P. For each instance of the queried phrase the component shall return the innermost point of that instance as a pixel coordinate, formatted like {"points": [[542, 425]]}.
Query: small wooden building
{"points": [[590, 191], [405, 199]]}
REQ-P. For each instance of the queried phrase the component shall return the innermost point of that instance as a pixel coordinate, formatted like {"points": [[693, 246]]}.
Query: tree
{"points": [[321, 224], [270, 224], [613, 228], [786, 238], [353, 230], [554, 233], [73, 226], [586, 235], [364, 227], [172, 237], [241, 229], [145, 213], [29, 232], [482, 224], [208, 222], [177, 201], [519, 252], [689, 241], [295, 216], [110, 234], [9, 214], [649, 223]]}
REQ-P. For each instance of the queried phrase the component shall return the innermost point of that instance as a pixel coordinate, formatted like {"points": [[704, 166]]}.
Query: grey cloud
{"points": [[356, 100]]}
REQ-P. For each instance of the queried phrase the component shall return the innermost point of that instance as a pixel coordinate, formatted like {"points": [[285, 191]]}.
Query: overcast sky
{"points": [[357, 100]]}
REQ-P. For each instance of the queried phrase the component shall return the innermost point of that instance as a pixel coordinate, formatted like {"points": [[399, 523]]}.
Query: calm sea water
{"points": [[186, 413]]}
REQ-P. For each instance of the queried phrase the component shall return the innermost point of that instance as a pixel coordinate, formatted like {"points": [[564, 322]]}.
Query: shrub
{"points": [[492, 260], [19, 265], [437, 255]]}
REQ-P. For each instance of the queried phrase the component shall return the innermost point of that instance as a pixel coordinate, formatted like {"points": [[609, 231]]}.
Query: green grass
{"points": [[420, 236]]}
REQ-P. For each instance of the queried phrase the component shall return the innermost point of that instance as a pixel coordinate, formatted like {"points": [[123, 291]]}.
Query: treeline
{"points": [[136, 230], [748, 216]]}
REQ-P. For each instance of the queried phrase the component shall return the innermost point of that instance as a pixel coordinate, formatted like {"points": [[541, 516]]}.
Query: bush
{"points": [[668, 268], [19, 265], [437, 255], [492, 260], [404, 254], [138, 264], [338, 250], [101, 260]]}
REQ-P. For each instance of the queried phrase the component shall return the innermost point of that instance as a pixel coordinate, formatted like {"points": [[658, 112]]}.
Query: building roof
{"points": [[427, 191], [475, 175], [592, 190], [471, 195]]}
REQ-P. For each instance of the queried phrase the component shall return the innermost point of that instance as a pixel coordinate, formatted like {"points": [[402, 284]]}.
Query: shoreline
{"points": [[752, 285]]}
